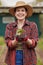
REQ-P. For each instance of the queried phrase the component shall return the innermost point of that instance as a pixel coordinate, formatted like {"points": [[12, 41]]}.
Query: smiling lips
{"points": [[20, 15]]}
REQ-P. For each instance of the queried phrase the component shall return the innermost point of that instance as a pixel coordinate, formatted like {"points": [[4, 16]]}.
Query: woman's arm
{"points": [[9, 38], [31, 43]]}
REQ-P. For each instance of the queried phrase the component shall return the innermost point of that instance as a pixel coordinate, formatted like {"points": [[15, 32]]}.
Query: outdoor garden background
{"points": [[6, 18]]}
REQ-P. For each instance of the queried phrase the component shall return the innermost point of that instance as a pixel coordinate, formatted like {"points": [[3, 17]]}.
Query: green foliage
{"points": [[41, 36], [20, 31], [2, 41], [39, 0], [40, 43], [39, 62], [0, 3]]}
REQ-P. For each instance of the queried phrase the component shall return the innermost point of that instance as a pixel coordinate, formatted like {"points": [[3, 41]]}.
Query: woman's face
{"points": [[21, 13]]}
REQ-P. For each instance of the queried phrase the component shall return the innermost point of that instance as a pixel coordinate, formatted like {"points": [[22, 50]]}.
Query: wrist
{"points": [[14, 42], [29, 41]]}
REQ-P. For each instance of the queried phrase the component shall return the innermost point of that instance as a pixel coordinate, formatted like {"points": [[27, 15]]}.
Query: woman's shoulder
{"points": [[10, 25], [32, 23]]}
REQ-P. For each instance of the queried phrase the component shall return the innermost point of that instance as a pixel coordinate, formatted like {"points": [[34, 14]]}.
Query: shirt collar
{"points": [[25, 23]]}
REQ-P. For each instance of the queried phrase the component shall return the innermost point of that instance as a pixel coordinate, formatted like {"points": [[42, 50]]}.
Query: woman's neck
{"points": [[21, 21]]}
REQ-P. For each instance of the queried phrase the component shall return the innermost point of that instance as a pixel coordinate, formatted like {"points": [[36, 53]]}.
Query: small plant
{"points": [[20, 31], [20, 35]]}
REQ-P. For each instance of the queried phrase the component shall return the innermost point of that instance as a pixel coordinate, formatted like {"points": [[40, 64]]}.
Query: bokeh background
{"points": [[6, 18]]}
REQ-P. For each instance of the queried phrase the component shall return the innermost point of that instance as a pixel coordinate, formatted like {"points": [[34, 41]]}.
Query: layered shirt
{"points": [[29, 54]]}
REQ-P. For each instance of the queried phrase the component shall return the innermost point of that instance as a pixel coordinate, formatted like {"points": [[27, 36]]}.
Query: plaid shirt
{"points": [[29, 55]]}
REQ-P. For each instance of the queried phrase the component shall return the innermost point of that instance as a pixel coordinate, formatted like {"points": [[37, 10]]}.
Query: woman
{"points": [[21, 46]]}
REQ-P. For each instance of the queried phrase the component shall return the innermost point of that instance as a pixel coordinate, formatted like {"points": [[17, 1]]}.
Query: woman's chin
{"points": [[20, 18]]}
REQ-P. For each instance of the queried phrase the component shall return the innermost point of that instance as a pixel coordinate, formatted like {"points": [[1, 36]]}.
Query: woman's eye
{"points": [[22, 10], [18, 10]]}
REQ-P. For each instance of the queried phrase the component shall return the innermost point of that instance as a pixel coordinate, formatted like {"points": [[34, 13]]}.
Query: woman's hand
{"points": [[18, 38], [14, 42], [29, 41], [22, 37]]}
